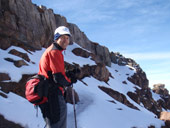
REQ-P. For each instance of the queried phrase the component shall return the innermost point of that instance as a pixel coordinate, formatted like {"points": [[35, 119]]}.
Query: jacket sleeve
{"points": [[56, 62]]}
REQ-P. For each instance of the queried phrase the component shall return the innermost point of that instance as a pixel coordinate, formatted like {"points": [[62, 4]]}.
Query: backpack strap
{"points": [[37, 76]]}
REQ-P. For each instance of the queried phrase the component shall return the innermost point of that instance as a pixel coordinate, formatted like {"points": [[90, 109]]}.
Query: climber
{"points": [[51, 65]]}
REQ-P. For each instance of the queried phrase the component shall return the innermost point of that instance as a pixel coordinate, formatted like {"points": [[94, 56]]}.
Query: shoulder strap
{"points": [[37, 76]]}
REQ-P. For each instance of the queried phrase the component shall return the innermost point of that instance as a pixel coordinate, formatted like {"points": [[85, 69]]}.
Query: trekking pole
{"points": [[74, 106]]}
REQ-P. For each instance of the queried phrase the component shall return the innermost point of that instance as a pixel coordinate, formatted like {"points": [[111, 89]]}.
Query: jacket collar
{"points": [[57, 46]]}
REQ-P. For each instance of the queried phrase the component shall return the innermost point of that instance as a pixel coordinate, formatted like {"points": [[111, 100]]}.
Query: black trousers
{"points": [[55, 111]]}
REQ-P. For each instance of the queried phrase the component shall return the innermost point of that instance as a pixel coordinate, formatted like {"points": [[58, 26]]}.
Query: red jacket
{"points": [[52, 60]]}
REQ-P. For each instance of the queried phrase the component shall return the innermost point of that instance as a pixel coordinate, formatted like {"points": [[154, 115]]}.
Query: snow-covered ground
{"points": [[94, 109]]}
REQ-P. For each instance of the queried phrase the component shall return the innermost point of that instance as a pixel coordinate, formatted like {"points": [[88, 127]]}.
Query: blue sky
{"points": [[139, 29]]}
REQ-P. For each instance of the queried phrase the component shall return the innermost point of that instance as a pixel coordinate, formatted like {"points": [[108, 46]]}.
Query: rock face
{"points": [[140, 79], [30, 28], [98, 71], [164, 94], [79, 37], [141, 95], [33, 27]]}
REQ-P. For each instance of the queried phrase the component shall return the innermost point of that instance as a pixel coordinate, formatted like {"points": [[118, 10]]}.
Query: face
{"points": [[63, 41]]}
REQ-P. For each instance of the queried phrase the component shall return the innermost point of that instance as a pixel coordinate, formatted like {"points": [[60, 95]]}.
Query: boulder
{"points": [[69, 95], [160, 89], [165, 116]]}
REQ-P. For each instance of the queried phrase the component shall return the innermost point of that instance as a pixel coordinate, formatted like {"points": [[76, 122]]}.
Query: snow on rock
{"points": [[95, 109]]}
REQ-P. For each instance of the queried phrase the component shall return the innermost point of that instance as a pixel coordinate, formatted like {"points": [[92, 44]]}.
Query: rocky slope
{"points": [[33, 27]]}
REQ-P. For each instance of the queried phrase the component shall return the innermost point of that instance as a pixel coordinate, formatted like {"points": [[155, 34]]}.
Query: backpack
{"points": [[36, 89]]}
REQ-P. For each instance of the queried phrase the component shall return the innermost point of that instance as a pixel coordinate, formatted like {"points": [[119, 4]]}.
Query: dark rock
{"points": [[139, 78], [4, 43], [117, 96], [124, 82], [20, 54], [164, 102], [20, 63], [160, 89], [151, 126], [3, 95], [8, 124], [117, 58], [134, 97], [113, 57], [69, 95], [100, 72], [81, 52], [101, 53], [144, 96], [79, 37], [17, 63], [9, 60], [28, 28], [4, 76], [15, 87]]}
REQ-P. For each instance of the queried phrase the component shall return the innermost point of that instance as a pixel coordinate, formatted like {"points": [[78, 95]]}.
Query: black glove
{"points": [[73, 79], [72, 75], [60, 79], [57, 78]]}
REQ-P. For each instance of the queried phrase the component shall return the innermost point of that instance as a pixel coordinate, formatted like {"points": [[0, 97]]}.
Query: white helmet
{"points": [[62, 30]]}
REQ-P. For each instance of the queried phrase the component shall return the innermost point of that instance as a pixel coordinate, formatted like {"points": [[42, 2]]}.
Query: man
{"points": [[52, 67]]}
